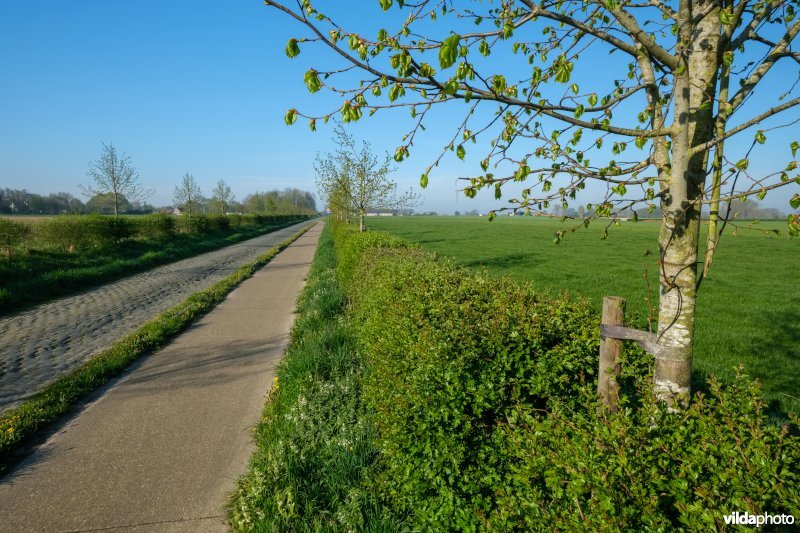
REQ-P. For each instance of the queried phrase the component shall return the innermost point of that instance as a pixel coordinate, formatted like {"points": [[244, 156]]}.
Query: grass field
{"points": [[748, 309]]}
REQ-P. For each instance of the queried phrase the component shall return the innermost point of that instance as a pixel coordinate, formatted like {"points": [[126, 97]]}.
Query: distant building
{"points": [[381, 213]]}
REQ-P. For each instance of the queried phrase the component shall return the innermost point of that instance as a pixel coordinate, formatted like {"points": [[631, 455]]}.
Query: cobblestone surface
{"points": [[40, 344]]}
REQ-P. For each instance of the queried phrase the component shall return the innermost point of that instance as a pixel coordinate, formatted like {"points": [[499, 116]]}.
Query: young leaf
{"points": [[448, 52], [312, 81], [290, 117], [292, 50]]}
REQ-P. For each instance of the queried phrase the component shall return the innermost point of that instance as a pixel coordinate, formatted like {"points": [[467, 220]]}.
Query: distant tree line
{"points": [[740, 210], [285, 202], [23, 202]]}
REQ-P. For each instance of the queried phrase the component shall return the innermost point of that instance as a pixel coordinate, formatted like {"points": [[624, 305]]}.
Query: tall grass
{"points": [[315, 458]]}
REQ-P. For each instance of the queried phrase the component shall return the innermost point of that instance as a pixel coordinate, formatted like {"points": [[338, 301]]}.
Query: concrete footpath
{"points": [[160, 449]]}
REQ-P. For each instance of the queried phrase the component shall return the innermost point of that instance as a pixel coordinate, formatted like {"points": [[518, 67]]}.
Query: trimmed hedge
{"points": [[79, 232], [73, 233], [12, 235], [484, 399]]}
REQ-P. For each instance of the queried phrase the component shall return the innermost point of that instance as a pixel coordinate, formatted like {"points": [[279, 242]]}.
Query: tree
{"points": [[221, 197], [106, 203], [353, 181], [673, 93], [113, 174], [188, 195]]}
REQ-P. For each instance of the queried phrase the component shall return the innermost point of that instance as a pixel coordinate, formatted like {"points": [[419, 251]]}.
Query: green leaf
{"points": [[592, 99], [400, 154], [563, 69], [395, 92], [484, 49], [760, 137], [794, 146], [460, 152], [448, 52], [499, 83], [423, 180], [640, 142], [725, 16], [574, 88], [742, 164], [385, 4], [312, 81], [290, 117], [795, 201], [426, 70], [727, 58], [292, 50]]}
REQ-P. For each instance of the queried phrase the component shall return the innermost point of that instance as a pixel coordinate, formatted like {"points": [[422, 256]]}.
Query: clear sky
{"points": [[198, 86]]}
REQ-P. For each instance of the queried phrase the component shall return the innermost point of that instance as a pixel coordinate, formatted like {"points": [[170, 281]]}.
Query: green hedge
{"points": [[12, 235], [82, 232], [73, 232], [484, 399], [156, 226]]}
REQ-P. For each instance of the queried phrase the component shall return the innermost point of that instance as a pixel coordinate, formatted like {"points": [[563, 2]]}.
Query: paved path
{"points": [[40, 344], [160, 449]]}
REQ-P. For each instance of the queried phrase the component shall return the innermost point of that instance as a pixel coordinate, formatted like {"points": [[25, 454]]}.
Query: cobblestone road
{"points": [[40, 344]]}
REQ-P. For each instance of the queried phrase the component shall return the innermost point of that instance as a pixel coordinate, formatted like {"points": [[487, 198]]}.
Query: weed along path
{"points": [[162, 447], [42, 343]]}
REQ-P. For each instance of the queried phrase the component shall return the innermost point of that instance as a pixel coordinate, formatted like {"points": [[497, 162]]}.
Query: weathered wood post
{"points": [[607, 386]]}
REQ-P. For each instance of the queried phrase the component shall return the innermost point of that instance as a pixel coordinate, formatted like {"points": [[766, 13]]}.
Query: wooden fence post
{"points": [[607, 387]]}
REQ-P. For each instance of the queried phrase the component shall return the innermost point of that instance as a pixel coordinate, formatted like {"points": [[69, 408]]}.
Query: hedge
{"points": [[484, 398], [82, 232], [12, 235]]}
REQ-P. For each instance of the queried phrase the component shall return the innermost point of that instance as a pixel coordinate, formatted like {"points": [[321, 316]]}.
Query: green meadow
{"points": [[748, 308]]}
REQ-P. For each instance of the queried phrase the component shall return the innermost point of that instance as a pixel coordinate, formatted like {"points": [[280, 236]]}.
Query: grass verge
{"points": [[315, 457], [22, 424], [42, 275]]}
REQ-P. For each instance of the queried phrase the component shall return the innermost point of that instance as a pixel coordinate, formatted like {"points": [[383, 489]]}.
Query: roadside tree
{"points": [[353, 180], [653, 124], [114, 176], [188, 195], [106, 203], [221, 197]]}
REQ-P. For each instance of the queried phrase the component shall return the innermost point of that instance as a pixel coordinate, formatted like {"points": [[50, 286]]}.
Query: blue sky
{"points": [[196, 86]]}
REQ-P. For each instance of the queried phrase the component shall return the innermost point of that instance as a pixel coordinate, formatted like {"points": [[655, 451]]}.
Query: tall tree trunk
{"points": [[695, 90], [361, 226]]}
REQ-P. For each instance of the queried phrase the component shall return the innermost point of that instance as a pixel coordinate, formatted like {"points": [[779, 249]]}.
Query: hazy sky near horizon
{"points": [[198, 86]]}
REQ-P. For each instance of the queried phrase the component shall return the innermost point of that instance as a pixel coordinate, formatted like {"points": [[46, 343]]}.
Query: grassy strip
{"points": [[42, 275], [316, 458], [20, 425]]}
